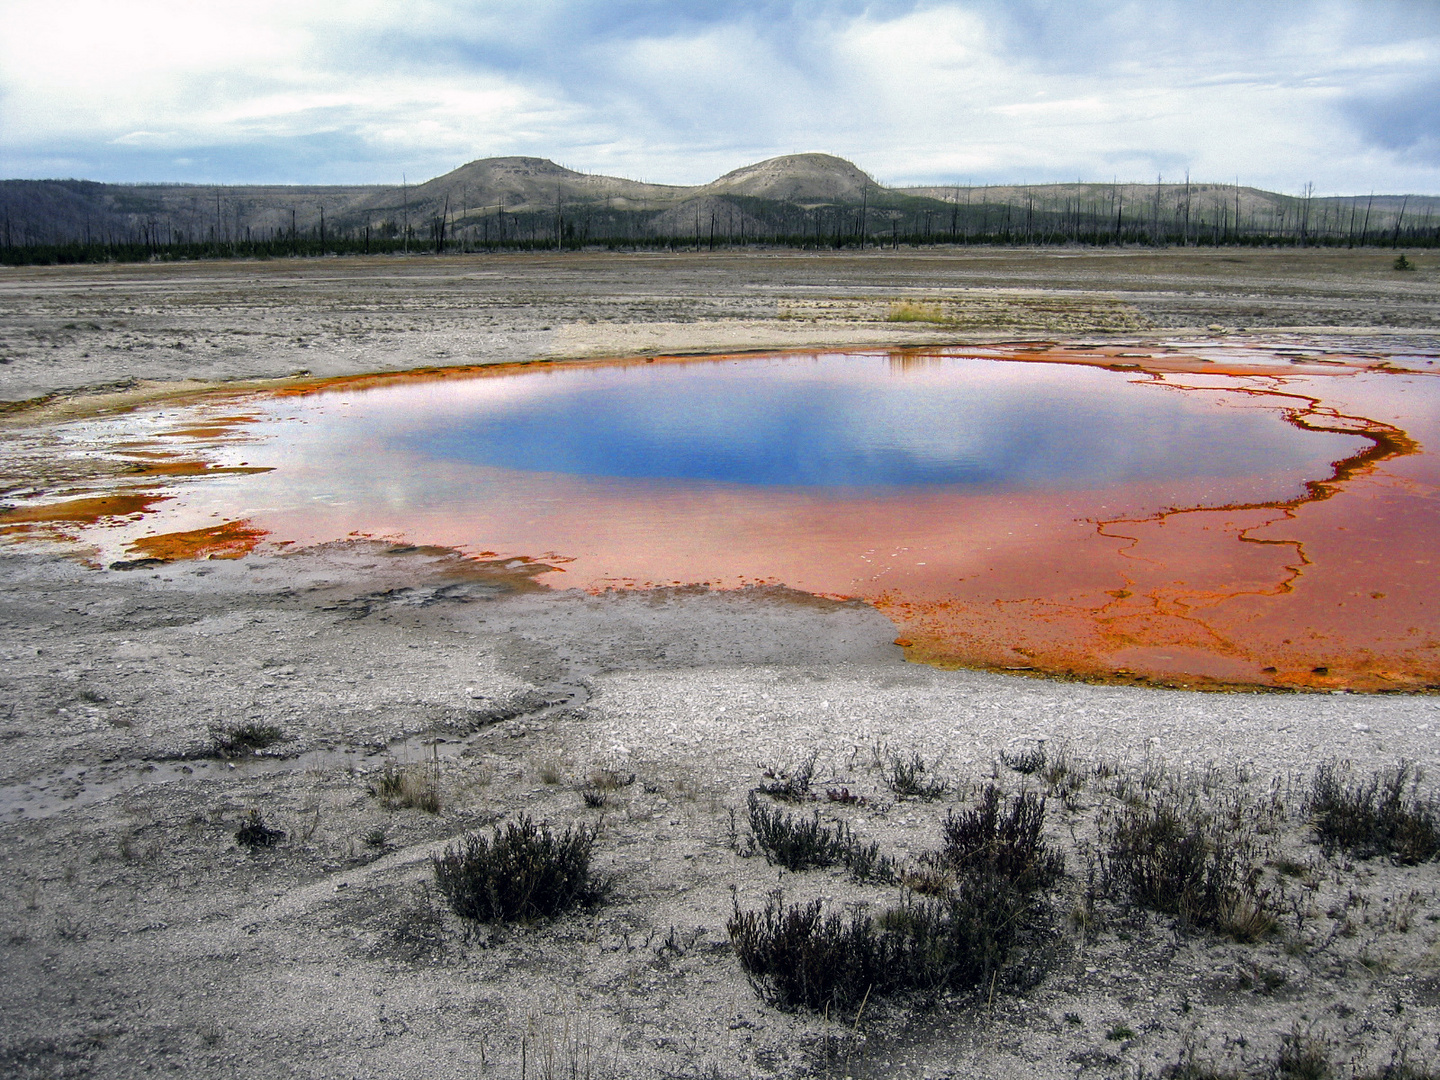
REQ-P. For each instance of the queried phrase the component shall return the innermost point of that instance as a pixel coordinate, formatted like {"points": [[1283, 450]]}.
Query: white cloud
{"points": [[980, 89]]}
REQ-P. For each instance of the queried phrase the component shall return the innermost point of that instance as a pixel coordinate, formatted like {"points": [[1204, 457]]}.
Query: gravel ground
{"points": [[140, 937], [68, 328]]}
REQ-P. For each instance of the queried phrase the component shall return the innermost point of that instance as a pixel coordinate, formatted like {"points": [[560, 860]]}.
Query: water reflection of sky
{"points": [[1003, 512], [827, 422]]}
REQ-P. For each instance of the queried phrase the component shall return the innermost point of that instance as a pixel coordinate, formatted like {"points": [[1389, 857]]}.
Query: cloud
{"points": [[1338, 92]]}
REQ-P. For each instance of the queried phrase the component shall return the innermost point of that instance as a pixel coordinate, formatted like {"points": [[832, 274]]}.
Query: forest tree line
{"points": [[35, 232]]}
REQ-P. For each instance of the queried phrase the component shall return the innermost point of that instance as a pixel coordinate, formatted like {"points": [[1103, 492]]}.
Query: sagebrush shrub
{"points": [[1374, 817], [1004, 837], [523, 873]]}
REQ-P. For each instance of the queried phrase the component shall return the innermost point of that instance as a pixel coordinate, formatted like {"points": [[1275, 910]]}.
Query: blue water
{"points": [[846, 421]]}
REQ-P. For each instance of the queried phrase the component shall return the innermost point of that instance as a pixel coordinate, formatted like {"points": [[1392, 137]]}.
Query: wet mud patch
{"points": [[1205, 513]]}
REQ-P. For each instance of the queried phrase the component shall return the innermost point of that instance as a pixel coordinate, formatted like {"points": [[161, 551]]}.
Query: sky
{"points": [[1342, 94]]}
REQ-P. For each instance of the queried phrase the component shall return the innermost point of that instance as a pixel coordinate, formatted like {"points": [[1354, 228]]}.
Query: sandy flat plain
{"points": [[139, 937]]}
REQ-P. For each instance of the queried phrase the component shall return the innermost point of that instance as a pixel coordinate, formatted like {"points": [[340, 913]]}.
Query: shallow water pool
{"points": [[1190, 513]]}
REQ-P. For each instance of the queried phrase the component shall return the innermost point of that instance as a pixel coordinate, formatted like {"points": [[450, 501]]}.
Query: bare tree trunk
{"points": [[1187, 209]]}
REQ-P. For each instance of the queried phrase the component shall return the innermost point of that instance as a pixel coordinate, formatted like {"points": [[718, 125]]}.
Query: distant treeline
{"points": [[735, 221]]}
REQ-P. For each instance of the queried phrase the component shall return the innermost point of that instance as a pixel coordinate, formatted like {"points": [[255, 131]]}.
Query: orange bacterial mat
{"points": [[1203, 513]]}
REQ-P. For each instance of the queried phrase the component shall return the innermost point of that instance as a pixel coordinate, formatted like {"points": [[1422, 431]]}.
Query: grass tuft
{"points": [[523, 873], [245, 739], [1374, 817], [910, 777], [413, 787], [601, 784], [1302, 1057], [908, 311]]}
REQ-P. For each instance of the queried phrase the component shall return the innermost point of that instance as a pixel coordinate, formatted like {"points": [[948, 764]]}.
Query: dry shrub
{"points": [[1004, 837], [1026, 761], [244, 739], [802, 955], [1382, 816], [791, 785], [1168, 853], [911, 777], [254, 833], [798, 843], [523, 873]]}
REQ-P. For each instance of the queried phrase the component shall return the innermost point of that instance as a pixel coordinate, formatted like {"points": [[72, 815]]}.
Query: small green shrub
{"points": [[1374, 817], [1004, 837], [523, 873], [1402, 263], [244, 739], [907, 777]]}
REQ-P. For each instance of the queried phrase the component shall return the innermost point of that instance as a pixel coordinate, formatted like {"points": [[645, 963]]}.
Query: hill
{"points": [[812, 199]]}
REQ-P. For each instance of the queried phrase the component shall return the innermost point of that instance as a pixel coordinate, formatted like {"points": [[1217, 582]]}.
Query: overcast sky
{"points": [[1344, 93]]}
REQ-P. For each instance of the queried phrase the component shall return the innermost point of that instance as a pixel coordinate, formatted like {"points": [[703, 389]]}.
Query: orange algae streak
{"points": [[1317, 591], [231, 540], [87, 511]]}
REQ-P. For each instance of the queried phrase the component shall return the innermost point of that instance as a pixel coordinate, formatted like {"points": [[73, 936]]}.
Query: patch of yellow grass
{"points": [[909, 311]]}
